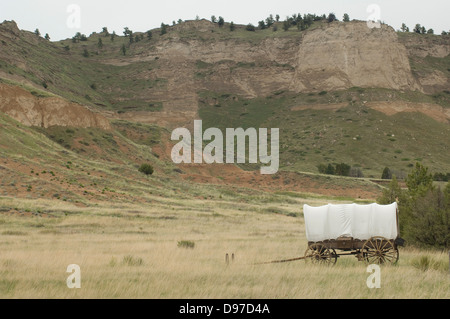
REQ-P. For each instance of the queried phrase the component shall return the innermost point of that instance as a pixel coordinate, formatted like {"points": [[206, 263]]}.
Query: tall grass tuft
{"points": [[132, 261]]}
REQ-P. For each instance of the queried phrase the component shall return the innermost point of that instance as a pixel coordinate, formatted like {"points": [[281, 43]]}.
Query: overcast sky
{"points": [[61, 19]]}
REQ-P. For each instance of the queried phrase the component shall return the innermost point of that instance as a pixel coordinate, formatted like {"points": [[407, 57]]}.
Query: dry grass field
{"points": [[142, 251]]}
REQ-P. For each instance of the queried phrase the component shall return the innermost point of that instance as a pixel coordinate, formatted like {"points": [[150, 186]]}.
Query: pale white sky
{"points": [[51, 16]]}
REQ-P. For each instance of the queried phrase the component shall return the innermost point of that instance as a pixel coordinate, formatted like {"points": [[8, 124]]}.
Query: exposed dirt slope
{"points": [[49, 111]]}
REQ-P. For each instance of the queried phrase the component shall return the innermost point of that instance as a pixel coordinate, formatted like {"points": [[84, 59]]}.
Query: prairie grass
{"points": [[132, 251]]}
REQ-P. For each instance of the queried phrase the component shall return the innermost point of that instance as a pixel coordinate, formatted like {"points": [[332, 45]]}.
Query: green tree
{"points": [[429, 219], [232, 26], [113, 36], [47, 37], [386, 173], [105, 31], [430, 31], [76, 38], [393, 193], [330, 170], [322, 168], [404, 27], [424, 211], [163, 28], [261, 25], [417, 28], [123, 49], [419, 181], [221, 22], [286, 25], [301, 25], [331, 17], [37, 32], [100, 43], [149, 35], [127, 31], [213, 19], [342, 169], [85, 53], [269, 21], [346, 17]]}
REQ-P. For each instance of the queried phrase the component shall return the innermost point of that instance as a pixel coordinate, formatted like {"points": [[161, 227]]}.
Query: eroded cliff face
{"points": [[198, 55], [46, 111], [334, 56], [344, 55]]}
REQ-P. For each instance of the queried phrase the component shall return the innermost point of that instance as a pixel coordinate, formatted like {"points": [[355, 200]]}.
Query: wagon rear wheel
{"points": [[320, 254], [379, 250]]}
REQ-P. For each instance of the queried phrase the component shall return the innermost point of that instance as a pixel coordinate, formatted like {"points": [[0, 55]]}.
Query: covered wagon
{"points": [[370, 232]]}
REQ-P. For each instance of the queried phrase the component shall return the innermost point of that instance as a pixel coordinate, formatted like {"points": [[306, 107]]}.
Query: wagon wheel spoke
{"points": [[379, 250]]}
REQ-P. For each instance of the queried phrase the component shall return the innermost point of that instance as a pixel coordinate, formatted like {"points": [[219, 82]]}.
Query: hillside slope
{"points": [[340, 92]]}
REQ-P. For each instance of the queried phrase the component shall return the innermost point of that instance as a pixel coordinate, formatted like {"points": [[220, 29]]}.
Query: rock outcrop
{"points": [[47, 111]]}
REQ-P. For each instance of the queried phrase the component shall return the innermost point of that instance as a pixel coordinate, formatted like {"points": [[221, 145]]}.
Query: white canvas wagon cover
{"points": [[350, 220]]}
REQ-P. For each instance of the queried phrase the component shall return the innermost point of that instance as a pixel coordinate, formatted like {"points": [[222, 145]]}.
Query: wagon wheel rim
{"points": [[379, 250], [320, 254]]}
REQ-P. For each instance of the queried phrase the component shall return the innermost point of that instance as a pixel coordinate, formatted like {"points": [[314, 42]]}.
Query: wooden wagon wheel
{"points": [[320, 254], [379, 250]]}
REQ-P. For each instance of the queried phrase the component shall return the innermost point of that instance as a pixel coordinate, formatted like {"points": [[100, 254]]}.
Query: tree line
{"points": [[340, 169], [420, 29]]}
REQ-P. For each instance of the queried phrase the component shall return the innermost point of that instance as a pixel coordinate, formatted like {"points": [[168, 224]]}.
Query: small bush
{"points": [[250, 27], [425, 263], [186, 244], [147, 169]]}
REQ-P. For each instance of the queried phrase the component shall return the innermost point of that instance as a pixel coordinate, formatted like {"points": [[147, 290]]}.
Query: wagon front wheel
{"points": [[320, 254], [379, 250]]}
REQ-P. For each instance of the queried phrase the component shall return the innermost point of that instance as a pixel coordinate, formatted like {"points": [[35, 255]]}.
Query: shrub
{"points": [[186, 244], [147, 169], [342, 169], [250, 27], [330, 170]]}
